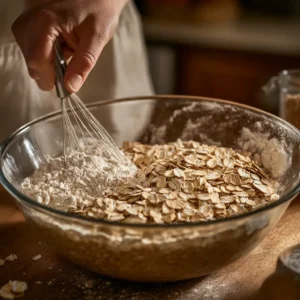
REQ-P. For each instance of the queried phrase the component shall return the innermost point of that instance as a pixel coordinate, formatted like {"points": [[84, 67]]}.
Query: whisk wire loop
{"points": [[81, 130]]}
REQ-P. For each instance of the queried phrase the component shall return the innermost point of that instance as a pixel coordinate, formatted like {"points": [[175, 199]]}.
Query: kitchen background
{"points": [[221, 48]]}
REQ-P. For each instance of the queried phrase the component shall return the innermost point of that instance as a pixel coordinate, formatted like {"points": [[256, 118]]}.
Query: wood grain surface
{"points": [[53, 277]]}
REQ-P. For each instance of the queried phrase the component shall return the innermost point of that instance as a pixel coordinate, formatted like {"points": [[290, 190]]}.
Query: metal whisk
{"points": [[81, 129]]}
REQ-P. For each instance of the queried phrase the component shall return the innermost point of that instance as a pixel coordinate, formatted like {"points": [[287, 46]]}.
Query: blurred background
{"points": [[221, 48]]}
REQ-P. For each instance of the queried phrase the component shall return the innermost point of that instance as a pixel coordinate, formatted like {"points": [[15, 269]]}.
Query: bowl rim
{"points": [[41, 207]]}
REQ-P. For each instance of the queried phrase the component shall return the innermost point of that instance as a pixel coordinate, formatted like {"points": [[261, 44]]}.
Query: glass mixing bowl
{"points": [[157, 252]]}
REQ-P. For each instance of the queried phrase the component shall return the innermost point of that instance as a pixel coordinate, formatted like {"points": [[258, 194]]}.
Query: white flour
{"points": [[270, 153], [79, 180], [191, 131]]}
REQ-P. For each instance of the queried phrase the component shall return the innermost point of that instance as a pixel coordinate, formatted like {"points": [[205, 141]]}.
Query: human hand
{"points": [[84, 28]]}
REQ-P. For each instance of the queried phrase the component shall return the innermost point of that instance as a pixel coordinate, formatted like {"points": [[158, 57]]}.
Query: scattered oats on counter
{"points": [[11, 257], [37, 257], [174, 183], [2, 262], [13, 289]]}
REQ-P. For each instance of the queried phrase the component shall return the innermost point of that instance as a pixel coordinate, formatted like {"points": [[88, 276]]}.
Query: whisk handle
{"points": [[60, 68]]}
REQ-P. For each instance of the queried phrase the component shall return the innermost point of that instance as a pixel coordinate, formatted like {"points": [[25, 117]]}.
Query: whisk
{"points": [[81, 130]]}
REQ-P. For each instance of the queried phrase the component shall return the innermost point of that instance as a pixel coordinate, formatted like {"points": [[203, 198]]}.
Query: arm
{"points": [[84, 27]]}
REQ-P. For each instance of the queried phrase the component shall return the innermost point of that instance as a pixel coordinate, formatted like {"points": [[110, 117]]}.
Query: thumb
{"points": [[83, 61]]}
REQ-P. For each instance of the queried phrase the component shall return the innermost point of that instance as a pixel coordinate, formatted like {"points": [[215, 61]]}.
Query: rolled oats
{"points": [[37, 257], [11, 257], [13, 289], [174, 183]]}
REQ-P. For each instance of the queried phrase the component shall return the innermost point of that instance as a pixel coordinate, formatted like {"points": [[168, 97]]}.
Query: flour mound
{"points": [[62, 182], [268, 152]]}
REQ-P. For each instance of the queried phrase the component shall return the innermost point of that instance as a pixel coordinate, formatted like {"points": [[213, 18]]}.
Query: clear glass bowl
{"points": [[153, 252]]}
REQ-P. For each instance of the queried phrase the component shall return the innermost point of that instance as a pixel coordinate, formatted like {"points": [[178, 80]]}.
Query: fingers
{"points": [[35, 36], [42, 83], [82, 62], [67, 52], [33, 73], [42, 62], [84, 36], [84, 59]]}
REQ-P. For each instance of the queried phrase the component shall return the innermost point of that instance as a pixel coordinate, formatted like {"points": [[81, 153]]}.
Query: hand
{"points": [[84, 28]]}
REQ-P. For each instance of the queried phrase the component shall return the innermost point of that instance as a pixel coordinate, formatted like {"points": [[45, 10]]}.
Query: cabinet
{"points": [[230, 61], [230, 75]]}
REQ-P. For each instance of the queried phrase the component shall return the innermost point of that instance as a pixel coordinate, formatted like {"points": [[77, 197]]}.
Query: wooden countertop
{"points": [[52, 277]]}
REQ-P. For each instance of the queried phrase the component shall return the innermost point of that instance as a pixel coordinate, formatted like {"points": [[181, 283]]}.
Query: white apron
{"points": [[121, 71]]}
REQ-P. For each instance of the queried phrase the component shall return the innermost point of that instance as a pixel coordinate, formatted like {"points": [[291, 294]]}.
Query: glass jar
{"points": [[287, 87]]}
